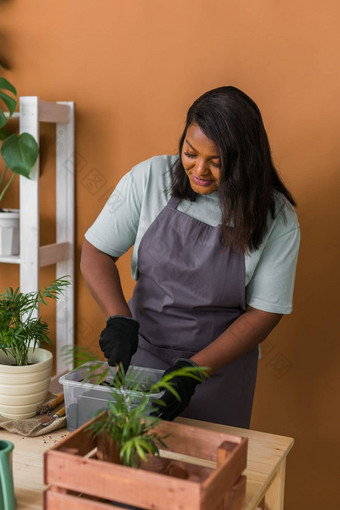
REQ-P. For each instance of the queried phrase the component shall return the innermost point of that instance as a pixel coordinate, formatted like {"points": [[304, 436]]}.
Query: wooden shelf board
{"points": [[10, 259]]}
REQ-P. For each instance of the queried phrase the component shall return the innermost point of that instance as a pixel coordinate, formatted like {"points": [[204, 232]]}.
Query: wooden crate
{"points": [[200, 471]]}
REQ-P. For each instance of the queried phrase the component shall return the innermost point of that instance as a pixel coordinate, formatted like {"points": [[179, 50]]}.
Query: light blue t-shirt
{"points": [[144, 191]]}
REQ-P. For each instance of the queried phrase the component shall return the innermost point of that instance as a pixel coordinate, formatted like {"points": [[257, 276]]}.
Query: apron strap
{"points": [[173, 202]]}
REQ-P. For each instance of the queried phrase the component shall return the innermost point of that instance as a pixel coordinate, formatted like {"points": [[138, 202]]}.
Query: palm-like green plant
{"points": [[127, 420], [19, 152], [19, 328]]}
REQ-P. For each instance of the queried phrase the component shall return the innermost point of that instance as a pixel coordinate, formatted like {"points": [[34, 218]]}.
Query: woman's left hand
{"points": [[185, 387]]}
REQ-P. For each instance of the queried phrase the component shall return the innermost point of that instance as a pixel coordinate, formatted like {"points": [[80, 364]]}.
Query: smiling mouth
{"points": [[202, 182]]}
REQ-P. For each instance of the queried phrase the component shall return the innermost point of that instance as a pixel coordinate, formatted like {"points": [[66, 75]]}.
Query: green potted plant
{"points": [[125, 431], [25, 367], [19, 154], [98, 460]]}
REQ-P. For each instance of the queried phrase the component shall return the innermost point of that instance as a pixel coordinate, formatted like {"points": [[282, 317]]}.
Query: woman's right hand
{"points": [[119, 340]]}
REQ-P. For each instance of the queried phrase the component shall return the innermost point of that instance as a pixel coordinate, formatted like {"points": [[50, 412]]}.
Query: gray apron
{"points": [[190, 288]]}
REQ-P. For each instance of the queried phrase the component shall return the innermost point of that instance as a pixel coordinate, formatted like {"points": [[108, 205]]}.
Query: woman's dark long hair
{"points": [[248, 179]]}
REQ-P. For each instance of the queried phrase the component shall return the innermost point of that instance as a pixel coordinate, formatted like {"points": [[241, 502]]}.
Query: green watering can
{"points": [[7, 498]]}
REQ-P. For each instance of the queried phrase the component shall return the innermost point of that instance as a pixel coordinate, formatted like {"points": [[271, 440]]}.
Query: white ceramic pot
{"points": [[23, 389], [9, 232]]}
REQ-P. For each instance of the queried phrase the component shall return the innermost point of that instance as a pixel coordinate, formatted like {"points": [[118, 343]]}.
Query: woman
{"points": [[215, 242]]}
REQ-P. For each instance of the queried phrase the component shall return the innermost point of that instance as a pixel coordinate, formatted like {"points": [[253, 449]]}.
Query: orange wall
{"points": [[133, 67]]}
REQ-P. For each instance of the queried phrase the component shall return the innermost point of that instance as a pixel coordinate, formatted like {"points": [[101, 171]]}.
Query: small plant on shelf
{"points": [[20, 329], [19, 152]]}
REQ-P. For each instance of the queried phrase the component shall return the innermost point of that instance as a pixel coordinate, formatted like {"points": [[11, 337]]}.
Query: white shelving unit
{"points": [[32, 112]]}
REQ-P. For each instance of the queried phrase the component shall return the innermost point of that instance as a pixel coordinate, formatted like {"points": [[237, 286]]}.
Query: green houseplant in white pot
{"points": [[19, 154], [25, 367]]}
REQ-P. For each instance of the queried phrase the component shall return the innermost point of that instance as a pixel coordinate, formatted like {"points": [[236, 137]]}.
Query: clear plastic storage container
{"points": [[84, 399]]}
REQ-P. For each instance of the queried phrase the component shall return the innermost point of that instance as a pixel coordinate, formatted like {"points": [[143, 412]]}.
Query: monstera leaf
{"points": [[8, 100], [20, 153], [4, 134]]}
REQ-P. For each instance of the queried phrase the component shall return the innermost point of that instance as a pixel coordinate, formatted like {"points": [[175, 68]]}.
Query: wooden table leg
{"points": [[275, 493]]}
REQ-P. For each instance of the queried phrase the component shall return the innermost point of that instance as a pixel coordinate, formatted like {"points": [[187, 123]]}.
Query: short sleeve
{"points": [[115, 229], [272, 284]]}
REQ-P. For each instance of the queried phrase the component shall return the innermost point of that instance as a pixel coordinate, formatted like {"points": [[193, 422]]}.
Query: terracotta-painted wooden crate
{"points": [[200, 471]]}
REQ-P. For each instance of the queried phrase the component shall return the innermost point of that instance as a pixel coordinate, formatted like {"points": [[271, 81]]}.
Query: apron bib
{"points": [[190, 288]]}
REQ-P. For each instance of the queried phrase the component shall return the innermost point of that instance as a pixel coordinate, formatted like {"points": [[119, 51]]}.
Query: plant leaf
{"points": [[140, 450], [126, 453], [9, 102], [4, 134], [6, 85], [20, 153], [3, 119]]}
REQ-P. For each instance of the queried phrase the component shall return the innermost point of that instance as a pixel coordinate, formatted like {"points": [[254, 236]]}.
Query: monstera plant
{"points": [[18, 154]]}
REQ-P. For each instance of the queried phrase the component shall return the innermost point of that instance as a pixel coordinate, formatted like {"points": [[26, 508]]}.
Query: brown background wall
{"points": [[133, 68]]}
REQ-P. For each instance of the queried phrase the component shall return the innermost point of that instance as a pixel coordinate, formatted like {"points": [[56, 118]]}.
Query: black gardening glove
{"points": [[185, 387], [119, 340]]}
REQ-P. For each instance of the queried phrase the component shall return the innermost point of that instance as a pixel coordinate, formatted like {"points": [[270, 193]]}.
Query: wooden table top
{"points": [[266, 452]]}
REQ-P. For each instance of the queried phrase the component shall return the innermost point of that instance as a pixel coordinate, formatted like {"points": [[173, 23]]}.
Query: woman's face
{"points": [[201, 161]]}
